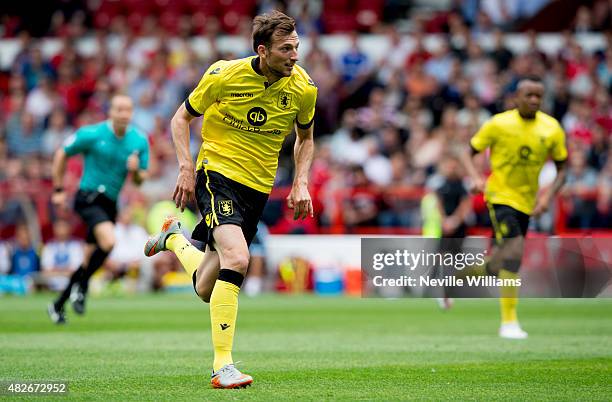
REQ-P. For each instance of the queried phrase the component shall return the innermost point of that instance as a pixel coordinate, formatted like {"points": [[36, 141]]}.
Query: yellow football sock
{"points": [[189, 256], [508, 297], [223, 312]]}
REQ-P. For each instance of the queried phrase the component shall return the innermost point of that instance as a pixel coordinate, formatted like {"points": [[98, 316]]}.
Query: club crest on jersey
{"points": [[284, 100], [524, 152], [226, 207]]}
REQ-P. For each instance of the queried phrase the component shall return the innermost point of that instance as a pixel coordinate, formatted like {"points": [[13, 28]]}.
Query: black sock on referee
{"points": [[97, 259], [75, 278]]}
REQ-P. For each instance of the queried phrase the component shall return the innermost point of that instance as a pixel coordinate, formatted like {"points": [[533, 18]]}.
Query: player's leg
{"points": [[233, 251], [104, 235], [56, 308], [202, 267], [207, 274], [510, 227]]}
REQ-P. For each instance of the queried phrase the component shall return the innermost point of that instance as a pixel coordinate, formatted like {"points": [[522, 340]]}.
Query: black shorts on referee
{"points": [[94, 207], [223, 201], [507, 222]]}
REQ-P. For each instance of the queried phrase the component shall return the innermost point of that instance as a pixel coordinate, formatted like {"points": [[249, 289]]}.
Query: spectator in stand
{"points": [[598, 152], [355, 69], [35, 68], [472, 113], [500, 53], [41, 99], [604, 194], [125, 258], [145, 112], [440, 64], [60, 257], [320, 67], [580, 189], [362, 205], [418, 83], [24, 260], [24, 134], [56, 133]]}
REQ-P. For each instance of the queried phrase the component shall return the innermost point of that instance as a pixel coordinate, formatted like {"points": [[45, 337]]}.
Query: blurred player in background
{"points": [[112, 150], [520, 141], [249, 105], [444, 217]]}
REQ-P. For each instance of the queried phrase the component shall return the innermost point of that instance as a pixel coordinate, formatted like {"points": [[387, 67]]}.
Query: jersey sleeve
{"points": [[558, 151], [80, 142], [305, 116], [485, 137], [207, 92]]}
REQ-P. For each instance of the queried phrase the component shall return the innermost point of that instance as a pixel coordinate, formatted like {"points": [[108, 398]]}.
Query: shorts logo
{"points": [[257, 116], [215, 71], [226, 207], [208, 219], [284, 100]]}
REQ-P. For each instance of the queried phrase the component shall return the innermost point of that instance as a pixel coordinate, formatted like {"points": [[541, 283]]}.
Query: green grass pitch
{"points": [[157, 347]]}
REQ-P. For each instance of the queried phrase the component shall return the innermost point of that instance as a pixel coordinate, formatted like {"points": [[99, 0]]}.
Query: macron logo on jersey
{"points": [[241, 95]]}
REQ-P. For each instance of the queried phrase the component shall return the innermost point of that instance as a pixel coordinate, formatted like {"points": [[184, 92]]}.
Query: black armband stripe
{"points": [[305, 126], [191, 110]]}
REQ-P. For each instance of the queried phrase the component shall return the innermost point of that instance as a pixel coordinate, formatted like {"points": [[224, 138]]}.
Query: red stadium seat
{"points": [[339, 22]]}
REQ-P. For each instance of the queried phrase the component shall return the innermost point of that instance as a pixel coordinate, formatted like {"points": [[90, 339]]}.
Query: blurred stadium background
{"points": [[401, 84]]}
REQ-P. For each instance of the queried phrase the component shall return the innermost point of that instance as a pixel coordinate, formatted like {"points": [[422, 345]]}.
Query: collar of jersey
{"points": [[255, 65], [112, 130], [257, 69]]}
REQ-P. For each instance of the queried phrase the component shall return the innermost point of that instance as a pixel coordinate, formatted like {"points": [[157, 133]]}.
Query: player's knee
{"points": [[107, 243], [237, 260], [512, 265]]}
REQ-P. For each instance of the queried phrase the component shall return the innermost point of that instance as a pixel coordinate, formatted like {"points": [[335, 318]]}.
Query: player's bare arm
{"points": [[299, 198], [544, 200], [58, 169], [185, 183], [467, 158]]}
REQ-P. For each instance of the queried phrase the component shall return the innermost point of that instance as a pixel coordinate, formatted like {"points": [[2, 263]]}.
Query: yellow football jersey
{"points": [[519, 149], [246, 120]]}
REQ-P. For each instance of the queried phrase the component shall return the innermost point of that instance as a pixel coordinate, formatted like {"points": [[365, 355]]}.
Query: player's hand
{"points": [[541, 206], [185, 188], [299, 200], [478, 185], [450, 224], [133, 162], [58, 199]]}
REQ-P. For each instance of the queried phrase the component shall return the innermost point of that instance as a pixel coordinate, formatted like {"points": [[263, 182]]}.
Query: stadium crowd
{"points": [[382, 127]]}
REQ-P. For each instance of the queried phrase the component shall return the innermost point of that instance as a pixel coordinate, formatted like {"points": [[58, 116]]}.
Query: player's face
{"points": [[529, 98], [120, 111], [282, 55]]}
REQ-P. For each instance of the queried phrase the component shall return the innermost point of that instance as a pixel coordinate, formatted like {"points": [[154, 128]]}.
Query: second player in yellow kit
{"points": [[519, 148], [520, 142]]}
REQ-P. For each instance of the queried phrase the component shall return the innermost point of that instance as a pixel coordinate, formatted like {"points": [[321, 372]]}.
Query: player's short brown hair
{"points": [[265, 26]]}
